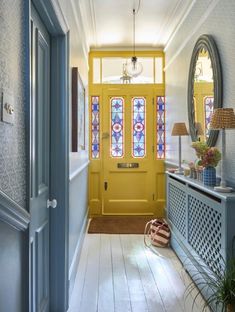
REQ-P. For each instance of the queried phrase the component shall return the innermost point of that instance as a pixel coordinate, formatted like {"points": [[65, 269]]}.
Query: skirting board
{"points": [[76, 256]]}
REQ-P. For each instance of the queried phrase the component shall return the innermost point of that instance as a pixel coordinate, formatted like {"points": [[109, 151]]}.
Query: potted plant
{"points": [[219, 286], [208, 159]]}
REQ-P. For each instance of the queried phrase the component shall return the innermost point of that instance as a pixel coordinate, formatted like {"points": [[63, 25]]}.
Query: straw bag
{"points": [[159, 233]]}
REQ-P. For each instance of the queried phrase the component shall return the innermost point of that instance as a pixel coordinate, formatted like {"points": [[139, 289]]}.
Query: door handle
{"points": [[105, 186], [51, 203]]}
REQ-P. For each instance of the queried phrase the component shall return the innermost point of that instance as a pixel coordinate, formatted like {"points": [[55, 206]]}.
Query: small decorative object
{"points": [[191, 164], [193, 173], [179, 129], [208, 159], [199, 169], [186, 172], [171, 170], [223, 118], [192, 169], [200, 174]]}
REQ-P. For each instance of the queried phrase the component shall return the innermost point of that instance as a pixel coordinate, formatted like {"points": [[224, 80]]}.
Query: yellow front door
{"points": [[127, 136], [128, 162]]}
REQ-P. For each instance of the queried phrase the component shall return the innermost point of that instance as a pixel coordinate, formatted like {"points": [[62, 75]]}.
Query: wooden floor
{"points": [[118, 273]]}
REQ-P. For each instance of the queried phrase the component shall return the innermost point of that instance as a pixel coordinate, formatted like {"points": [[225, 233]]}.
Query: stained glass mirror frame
{"points": [[205, 42]]}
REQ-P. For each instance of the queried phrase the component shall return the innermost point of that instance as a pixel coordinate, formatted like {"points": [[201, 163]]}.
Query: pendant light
{"points": [[134, 67]]}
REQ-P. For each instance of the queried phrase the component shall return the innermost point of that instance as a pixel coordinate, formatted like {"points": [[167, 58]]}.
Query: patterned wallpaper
{"points": [[13, 81], [219, 22]]}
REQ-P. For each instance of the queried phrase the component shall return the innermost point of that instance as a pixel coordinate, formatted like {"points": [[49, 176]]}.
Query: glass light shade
{"points": [[134, 68]]}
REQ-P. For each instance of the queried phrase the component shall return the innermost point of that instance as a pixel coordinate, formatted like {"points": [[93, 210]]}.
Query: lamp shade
{"points": [[222, 118], [198, 127], [179, 128]]}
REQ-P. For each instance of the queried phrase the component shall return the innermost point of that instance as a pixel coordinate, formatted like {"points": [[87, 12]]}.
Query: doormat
{"points": [[118, 224]]}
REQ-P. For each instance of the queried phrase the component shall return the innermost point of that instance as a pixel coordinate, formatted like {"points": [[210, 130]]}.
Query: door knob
{"points": [[52, 203]]}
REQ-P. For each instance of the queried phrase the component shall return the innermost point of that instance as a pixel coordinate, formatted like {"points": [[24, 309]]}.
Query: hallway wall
{"points": [[78, 187], [13, 270], [214, 17], [14, 81], [78, 201]]}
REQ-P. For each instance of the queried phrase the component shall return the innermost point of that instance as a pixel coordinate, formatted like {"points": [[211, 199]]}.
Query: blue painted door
{"points": [[39, 164]]}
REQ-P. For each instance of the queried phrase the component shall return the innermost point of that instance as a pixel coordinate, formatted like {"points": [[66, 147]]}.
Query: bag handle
{"points": [[147, 232]]}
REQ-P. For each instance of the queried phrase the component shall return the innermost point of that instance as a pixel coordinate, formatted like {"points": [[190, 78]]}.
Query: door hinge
{"points": [[153, 101], [105, 186], [153, 148], [153, 197]]}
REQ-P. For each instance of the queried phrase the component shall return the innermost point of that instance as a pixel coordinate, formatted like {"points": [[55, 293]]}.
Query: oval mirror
{"points": [[204, 89]]}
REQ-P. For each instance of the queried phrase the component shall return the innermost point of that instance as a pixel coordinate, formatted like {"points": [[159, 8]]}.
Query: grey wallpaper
{"points": [[12, 80], [215, 17]]}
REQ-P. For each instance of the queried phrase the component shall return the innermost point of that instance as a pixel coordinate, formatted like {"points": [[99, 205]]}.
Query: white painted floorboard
{"points": [[117, 273]]}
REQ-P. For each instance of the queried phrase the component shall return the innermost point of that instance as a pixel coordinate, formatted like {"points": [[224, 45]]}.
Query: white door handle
{"points": [[52, 203]]}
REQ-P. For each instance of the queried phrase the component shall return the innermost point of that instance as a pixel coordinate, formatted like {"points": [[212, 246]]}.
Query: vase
{"points": [[209, 176], [199, 175], [193, 173]]}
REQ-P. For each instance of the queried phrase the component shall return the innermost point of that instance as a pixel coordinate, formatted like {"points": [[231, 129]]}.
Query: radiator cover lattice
{"points": [[205, 232], [177, 208]]}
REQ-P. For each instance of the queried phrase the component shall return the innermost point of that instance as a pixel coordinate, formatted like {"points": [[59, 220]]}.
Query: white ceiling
{"points": [[109, 23]]}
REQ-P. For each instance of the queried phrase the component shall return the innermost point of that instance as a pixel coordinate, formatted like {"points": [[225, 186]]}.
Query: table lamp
{"points": [[223, 118], [179, 129]]}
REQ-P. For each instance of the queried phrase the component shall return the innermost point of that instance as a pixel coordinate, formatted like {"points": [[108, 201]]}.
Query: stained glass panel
{"points": [[138, 127], [209, 107], [117, 111], [95, 127], [160, 127]]}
